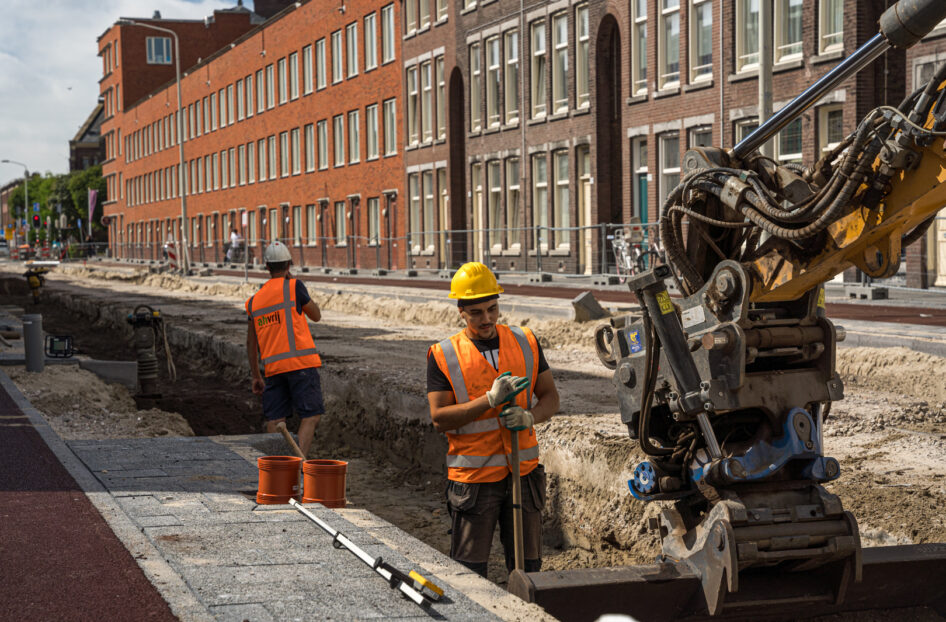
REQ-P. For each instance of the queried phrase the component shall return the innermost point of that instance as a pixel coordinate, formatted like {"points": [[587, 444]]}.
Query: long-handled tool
{"points": [[517, 544], [281, 426], [415, 587]]}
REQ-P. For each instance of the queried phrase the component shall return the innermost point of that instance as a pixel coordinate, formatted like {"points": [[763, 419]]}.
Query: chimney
{"points": [[268, 8], [157, 15]]}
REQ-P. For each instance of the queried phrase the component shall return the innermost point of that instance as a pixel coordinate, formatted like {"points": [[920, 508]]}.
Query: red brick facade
{"points": [[319, 206]]}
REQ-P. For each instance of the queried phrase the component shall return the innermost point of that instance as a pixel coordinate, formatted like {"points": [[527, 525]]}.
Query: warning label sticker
{"points": [[663, 299]]}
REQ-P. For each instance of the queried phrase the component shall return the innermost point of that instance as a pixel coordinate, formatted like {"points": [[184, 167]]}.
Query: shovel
{"points": [[281, 426], [517, 545]]}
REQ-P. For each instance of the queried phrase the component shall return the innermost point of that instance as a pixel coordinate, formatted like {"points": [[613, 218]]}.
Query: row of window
{"points": [[277, 82], [494, 70], [787, 37], [202, 227], [421, 113], [417, 14], [297, 149]]}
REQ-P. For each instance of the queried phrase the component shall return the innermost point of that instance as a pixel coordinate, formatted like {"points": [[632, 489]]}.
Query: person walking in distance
{"points": [[484, 384], [278, 333]]}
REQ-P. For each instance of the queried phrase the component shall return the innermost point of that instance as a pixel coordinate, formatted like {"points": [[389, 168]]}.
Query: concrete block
{"points": [[866, 292], [606, 279], [379, 272], [412, 273], [587, 308], [541, 277]]}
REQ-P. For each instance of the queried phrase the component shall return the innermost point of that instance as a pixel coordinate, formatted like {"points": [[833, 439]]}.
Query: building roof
{"points": [[239, 8], [90, 130]]}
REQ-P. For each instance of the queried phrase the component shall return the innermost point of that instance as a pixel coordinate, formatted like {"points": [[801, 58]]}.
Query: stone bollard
{"points": [[33, 342], [587, 308]]}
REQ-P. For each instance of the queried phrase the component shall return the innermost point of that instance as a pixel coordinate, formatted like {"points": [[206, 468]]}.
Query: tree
{"points": [[79, 184]]}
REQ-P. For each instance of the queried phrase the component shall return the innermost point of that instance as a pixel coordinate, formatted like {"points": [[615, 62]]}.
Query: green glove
{"points": [[516, 418], [505, 388]]}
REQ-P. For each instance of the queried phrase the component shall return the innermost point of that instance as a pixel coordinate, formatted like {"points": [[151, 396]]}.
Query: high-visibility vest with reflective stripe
{"points": [[480, 451], [285, 343]]}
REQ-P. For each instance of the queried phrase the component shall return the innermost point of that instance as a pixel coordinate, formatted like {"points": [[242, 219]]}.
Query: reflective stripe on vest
{"points": [[520, 336], [288, 306], [456, 374], [498, 460]]}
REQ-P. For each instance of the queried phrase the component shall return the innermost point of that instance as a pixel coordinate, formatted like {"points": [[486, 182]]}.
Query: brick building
{"points": [[87, 148], [291, 125]]}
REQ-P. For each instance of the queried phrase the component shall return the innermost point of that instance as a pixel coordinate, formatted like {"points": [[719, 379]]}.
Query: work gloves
{"points": [[516, 418], [505, 388]]}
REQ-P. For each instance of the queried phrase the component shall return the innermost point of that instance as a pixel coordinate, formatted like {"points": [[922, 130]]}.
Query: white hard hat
{"points": [[277, 252]]}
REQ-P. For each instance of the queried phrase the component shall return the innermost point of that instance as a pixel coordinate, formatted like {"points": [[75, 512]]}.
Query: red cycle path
{"points": [[59, 559]]}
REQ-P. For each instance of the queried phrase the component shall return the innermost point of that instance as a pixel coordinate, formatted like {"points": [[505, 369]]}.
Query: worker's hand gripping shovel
{"points": [[517, 387]]}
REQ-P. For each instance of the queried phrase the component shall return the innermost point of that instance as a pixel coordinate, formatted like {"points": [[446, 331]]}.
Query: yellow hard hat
{"points": [[474, 280]]}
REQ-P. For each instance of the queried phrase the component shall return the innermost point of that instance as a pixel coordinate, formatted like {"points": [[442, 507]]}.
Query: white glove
{"points": [[504, 387], [517, 418]]}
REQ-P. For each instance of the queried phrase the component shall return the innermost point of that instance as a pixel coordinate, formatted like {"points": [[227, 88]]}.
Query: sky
{"points": [[49, 71]]}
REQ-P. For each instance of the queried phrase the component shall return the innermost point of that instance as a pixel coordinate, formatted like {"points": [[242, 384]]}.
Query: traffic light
{"points": [[36, 221]]}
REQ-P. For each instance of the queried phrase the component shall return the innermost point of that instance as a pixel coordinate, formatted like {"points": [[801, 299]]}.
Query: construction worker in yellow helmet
{"points": [[484, 384]]}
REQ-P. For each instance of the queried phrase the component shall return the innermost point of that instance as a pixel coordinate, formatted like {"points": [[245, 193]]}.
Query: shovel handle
{"points": [[281, 426], [519, 553]]}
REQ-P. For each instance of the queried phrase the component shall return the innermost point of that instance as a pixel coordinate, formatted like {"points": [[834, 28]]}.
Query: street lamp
{"points": [[185, 255], [26, 194]]}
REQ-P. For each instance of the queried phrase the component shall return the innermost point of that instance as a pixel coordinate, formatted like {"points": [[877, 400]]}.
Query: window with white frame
{"points": [[639, 48], [297, 225], [270, 87], [248, 83], [260, 91], [427, 179], [511, 81], [410, 17], [320, 64], [745, 127], [426, 103], [250, 162], [337, 57], [669, 164], [296, 147], [476, 89], [789, 143], [311, 226], [582, 58], [830, 127], [540, 198], [213, 172], [469, 4], [701, 137], [283, 81], [747, 34], [414, 216], [224, 172], [538, 70], [830, 25], [387, 33], [493, 65], [561, 206], [261, 147], [354, 137], [788, 30], [413, 101], [294, 75], [159, 50], [338, 135], [513, 203], [213, 112], [442, 7], [233, 167], [494, 204], [390, 127], [351, 56], [441, 99], [239, 100], [371, 132], [560, 63], [271, 143], [241, 157], [668, 51], [374, 221], [307, 69], [322, 128], [371, 41], [701, 40], [639, 178], [309, 148], [284, 154], [424, 9], [341, 224]]}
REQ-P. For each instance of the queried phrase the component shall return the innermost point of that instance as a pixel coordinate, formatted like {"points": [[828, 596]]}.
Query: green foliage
{"points": [[68, 192]]}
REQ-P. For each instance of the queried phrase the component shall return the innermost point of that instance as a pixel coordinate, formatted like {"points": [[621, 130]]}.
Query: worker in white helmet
{"points": [[278, 333]]}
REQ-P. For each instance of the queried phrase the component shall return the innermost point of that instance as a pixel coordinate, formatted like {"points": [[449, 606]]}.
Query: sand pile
{"points": [[917, 374], [79, 405]]}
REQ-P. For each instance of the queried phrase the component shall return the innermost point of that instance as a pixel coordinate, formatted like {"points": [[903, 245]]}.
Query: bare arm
{"points": [[252, 352], [547, 396], [448, 415], [312, 310]]}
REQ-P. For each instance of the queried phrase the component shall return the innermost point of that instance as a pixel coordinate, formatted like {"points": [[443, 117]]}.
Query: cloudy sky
{"points": [[49, 71]]}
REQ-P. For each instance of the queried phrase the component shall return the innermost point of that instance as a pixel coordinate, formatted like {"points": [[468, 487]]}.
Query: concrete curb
{"points": [[172, 587]]}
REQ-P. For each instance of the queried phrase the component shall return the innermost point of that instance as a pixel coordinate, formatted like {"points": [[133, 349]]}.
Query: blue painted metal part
{"points": [[645, 478]]}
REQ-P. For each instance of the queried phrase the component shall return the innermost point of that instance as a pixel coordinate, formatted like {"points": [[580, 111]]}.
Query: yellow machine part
{"points": [[426, 587], [867, 239]]}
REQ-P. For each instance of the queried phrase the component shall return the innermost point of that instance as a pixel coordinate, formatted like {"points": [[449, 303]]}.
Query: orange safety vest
{"points": [[480, 451], [285, 343]]}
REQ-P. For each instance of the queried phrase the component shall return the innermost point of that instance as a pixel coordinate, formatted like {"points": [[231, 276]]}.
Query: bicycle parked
{"points": [[630, 254]]}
